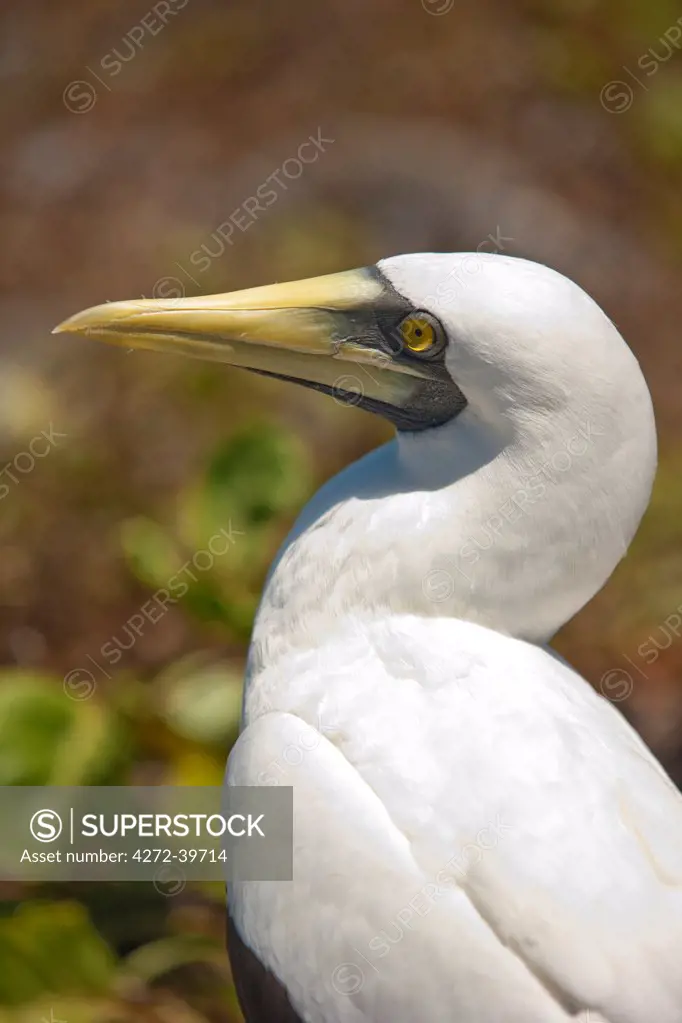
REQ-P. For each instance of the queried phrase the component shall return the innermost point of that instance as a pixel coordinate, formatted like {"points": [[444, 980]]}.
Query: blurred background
{"points": [[133, 136]]}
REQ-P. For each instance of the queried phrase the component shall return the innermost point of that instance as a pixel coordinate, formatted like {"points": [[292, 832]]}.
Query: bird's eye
{"points": [[421, 333]]}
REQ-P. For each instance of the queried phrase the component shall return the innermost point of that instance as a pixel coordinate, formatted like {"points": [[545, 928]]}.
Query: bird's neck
{"points": [[514, 531]]}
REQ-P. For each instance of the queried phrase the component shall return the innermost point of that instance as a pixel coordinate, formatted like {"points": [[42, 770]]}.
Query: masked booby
{"points": [[479, 836]]}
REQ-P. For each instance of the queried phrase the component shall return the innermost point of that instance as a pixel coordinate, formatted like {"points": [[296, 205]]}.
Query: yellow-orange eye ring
{"points": [[421, 333]]}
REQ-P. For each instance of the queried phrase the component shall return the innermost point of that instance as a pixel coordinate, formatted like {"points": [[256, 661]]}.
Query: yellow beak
{"points": [[306, 331]]}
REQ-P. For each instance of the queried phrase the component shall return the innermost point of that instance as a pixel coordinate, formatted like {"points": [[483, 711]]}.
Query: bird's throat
{"points": [[457, 523]]}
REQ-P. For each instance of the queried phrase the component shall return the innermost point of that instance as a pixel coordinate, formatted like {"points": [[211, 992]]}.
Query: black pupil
{"points": [[418, 332]]}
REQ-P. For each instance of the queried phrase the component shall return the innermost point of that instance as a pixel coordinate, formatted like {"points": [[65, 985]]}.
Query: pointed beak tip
{"points": [[84, 321], [70, 326]]}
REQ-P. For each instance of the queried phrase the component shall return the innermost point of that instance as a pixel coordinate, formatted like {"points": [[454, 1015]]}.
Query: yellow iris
{"points": [[417, 334]]}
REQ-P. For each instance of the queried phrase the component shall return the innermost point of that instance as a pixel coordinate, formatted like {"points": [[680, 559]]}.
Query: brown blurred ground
{"points": [[449, 124]]}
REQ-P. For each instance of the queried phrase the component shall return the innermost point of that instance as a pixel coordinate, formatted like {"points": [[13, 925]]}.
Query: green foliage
{"points": [[48, 739], [57, 966], [52, 947], [210, 556], [660, 117], [202, 703], [252, 484]]}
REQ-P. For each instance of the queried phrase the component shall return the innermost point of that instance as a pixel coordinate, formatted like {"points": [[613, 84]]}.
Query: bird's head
{"points": [[416, 338], [349, 334], [498, 354]]}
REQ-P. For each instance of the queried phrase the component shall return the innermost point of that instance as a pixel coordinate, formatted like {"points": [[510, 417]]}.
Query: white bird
{"points": [[479, 836]]}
